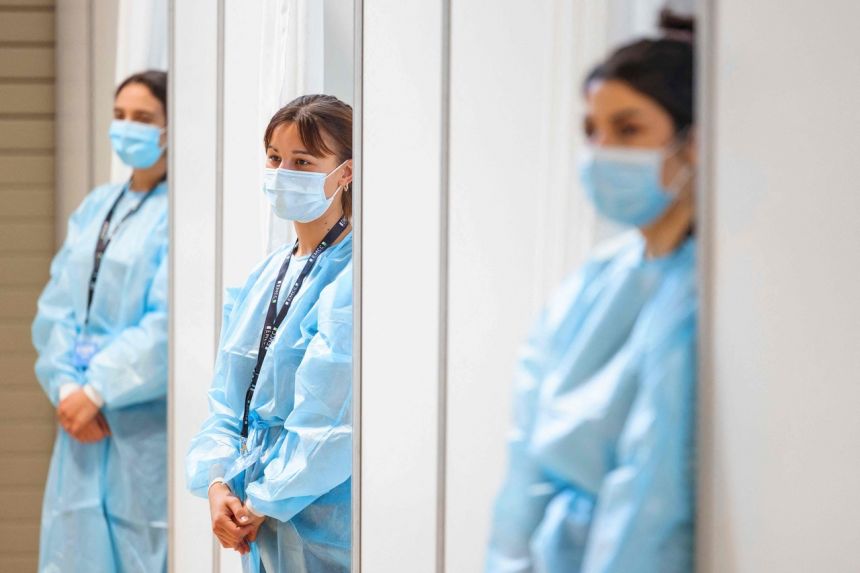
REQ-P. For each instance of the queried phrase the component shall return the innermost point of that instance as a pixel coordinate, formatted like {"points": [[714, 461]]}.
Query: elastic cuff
{"points": [[94, 396], [249, 506], [67, 389], [218, 480]]}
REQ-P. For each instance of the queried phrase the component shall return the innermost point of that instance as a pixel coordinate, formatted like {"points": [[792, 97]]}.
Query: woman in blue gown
{"points": [[275, 454], [600, 476], [101, 337]]}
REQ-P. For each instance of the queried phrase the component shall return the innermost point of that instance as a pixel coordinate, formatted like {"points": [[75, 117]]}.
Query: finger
{"points": [[236, 509], [230, 531], [252, 536], [243, 517]]}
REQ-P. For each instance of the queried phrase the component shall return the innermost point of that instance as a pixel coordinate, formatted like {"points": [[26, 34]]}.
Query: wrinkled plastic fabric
{"points": [[105, 504], [298, 465], [600, 476]]}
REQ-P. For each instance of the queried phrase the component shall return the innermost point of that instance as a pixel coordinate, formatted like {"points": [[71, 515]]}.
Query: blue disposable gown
{"points": [[600, 476], [105, 504], [299, 463]]}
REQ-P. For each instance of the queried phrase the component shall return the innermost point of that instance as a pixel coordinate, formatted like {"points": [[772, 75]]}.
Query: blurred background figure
{"points": [[600, 474], [60, 65], [101, 337]]}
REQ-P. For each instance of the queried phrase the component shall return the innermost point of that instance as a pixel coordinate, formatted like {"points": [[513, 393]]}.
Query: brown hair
{"points": [[154, 80], [662, 69], [320, 118]]}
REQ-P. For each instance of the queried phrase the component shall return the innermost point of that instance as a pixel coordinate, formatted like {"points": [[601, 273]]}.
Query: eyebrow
{"points": [[625, 114]]}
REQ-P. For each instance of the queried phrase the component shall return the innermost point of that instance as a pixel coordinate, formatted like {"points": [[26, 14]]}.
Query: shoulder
{"points": [[605, 261], [625, 247], [335, 302], [96, 199]]}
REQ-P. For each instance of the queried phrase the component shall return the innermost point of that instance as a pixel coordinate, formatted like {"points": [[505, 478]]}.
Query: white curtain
{"points": [[141, 44], [292, 64]]}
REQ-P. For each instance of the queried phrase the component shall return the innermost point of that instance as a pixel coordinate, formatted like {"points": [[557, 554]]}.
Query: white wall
{"points": [[401, 295], [86, 50], [499, 91], [780, 468]]}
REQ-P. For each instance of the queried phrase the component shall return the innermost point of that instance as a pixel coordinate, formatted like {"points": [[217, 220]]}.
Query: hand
{"points": [[248, 518], [76, 411], [224, 508], [95, 431]]}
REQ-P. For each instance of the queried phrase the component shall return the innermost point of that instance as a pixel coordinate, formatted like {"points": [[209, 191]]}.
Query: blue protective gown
{"points": [[299, 463], [105, 504], [600, 476]]}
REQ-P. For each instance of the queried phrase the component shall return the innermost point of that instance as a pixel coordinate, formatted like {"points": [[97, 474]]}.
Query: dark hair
{"points": [[319, 117], [661, 69], [154, 80]]}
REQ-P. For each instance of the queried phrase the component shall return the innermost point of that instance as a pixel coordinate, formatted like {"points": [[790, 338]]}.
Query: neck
{"points": [[143, 180], [670, 230], [311, 234]]}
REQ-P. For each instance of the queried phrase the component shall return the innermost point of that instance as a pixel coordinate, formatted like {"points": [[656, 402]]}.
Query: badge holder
{"points": [[85, 349]]}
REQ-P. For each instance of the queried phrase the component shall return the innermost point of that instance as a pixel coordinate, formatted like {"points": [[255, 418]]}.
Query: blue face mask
{"points": [[625, 184], [298, 195], [137, 144]]}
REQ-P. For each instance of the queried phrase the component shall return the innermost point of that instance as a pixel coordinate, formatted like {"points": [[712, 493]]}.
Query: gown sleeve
{"points": [[214, 449], [54, 329], [132, 368], [316, 454], [643, 521], [527, 489]]}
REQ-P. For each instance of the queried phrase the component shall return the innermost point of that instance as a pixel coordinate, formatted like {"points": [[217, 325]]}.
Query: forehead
{"points": [[137, 96], [606, 98], [287, 138]]}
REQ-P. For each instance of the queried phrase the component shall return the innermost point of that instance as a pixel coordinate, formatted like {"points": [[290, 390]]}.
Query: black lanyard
{"points": [[103, 242], [274, 318]]}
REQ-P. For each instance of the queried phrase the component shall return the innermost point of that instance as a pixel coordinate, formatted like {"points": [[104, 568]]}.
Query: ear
{"points": [[345, 174], [691, 146]]}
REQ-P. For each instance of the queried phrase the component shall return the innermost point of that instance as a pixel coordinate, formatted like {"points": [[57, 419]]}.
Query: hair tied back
{"points": [[676, 27]]}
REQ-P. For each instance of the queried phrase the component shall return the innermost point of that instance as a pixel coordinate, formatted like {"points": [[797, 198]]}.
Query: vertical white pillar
{"points": [[781, 390], [195, 261], [401, 298]]}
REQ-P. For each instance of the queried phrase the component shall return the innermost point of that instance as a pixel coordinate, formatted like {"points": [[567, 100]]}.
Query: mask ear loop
{"points": [[338, 190], [685, 173]]}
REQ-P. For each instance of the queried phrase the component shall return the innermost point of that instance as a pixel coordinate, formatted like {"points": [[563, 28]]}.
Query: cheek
{"points": [[331, 187]]}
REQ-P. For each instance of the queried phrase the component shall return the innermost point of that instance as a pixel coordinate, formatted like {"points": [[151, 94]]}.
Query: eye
{"points": [[274, 159], [588, 129], [629, 130], [302, 162]]}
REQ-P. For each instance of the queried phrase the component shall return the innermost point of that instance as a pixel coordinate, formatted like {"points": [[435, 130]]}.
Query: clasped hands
{"points": [[232, 523], [82, 419]]}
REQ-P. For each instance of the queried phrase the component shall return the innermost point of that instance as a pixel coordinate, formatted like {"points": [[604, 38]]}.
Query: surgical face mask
{"points": [[625, 184], [137, 144], [298, 195]]}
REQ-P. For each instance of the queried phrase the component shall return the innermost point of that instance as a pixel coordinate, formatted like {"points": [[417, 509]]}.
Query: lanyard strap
{"points": [[274, 317], [103, 242]]}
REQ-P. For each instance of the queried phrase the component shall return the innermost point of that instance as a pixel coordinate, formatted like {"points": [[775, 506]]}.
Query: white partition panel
{"points": [[402, 209], [781, 397], [497, 231], [195, 282]]}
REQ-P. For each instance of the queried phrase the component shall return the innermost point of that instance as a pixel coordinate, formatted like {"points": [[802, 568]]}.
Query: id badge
{"points": [[85, 349]]}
